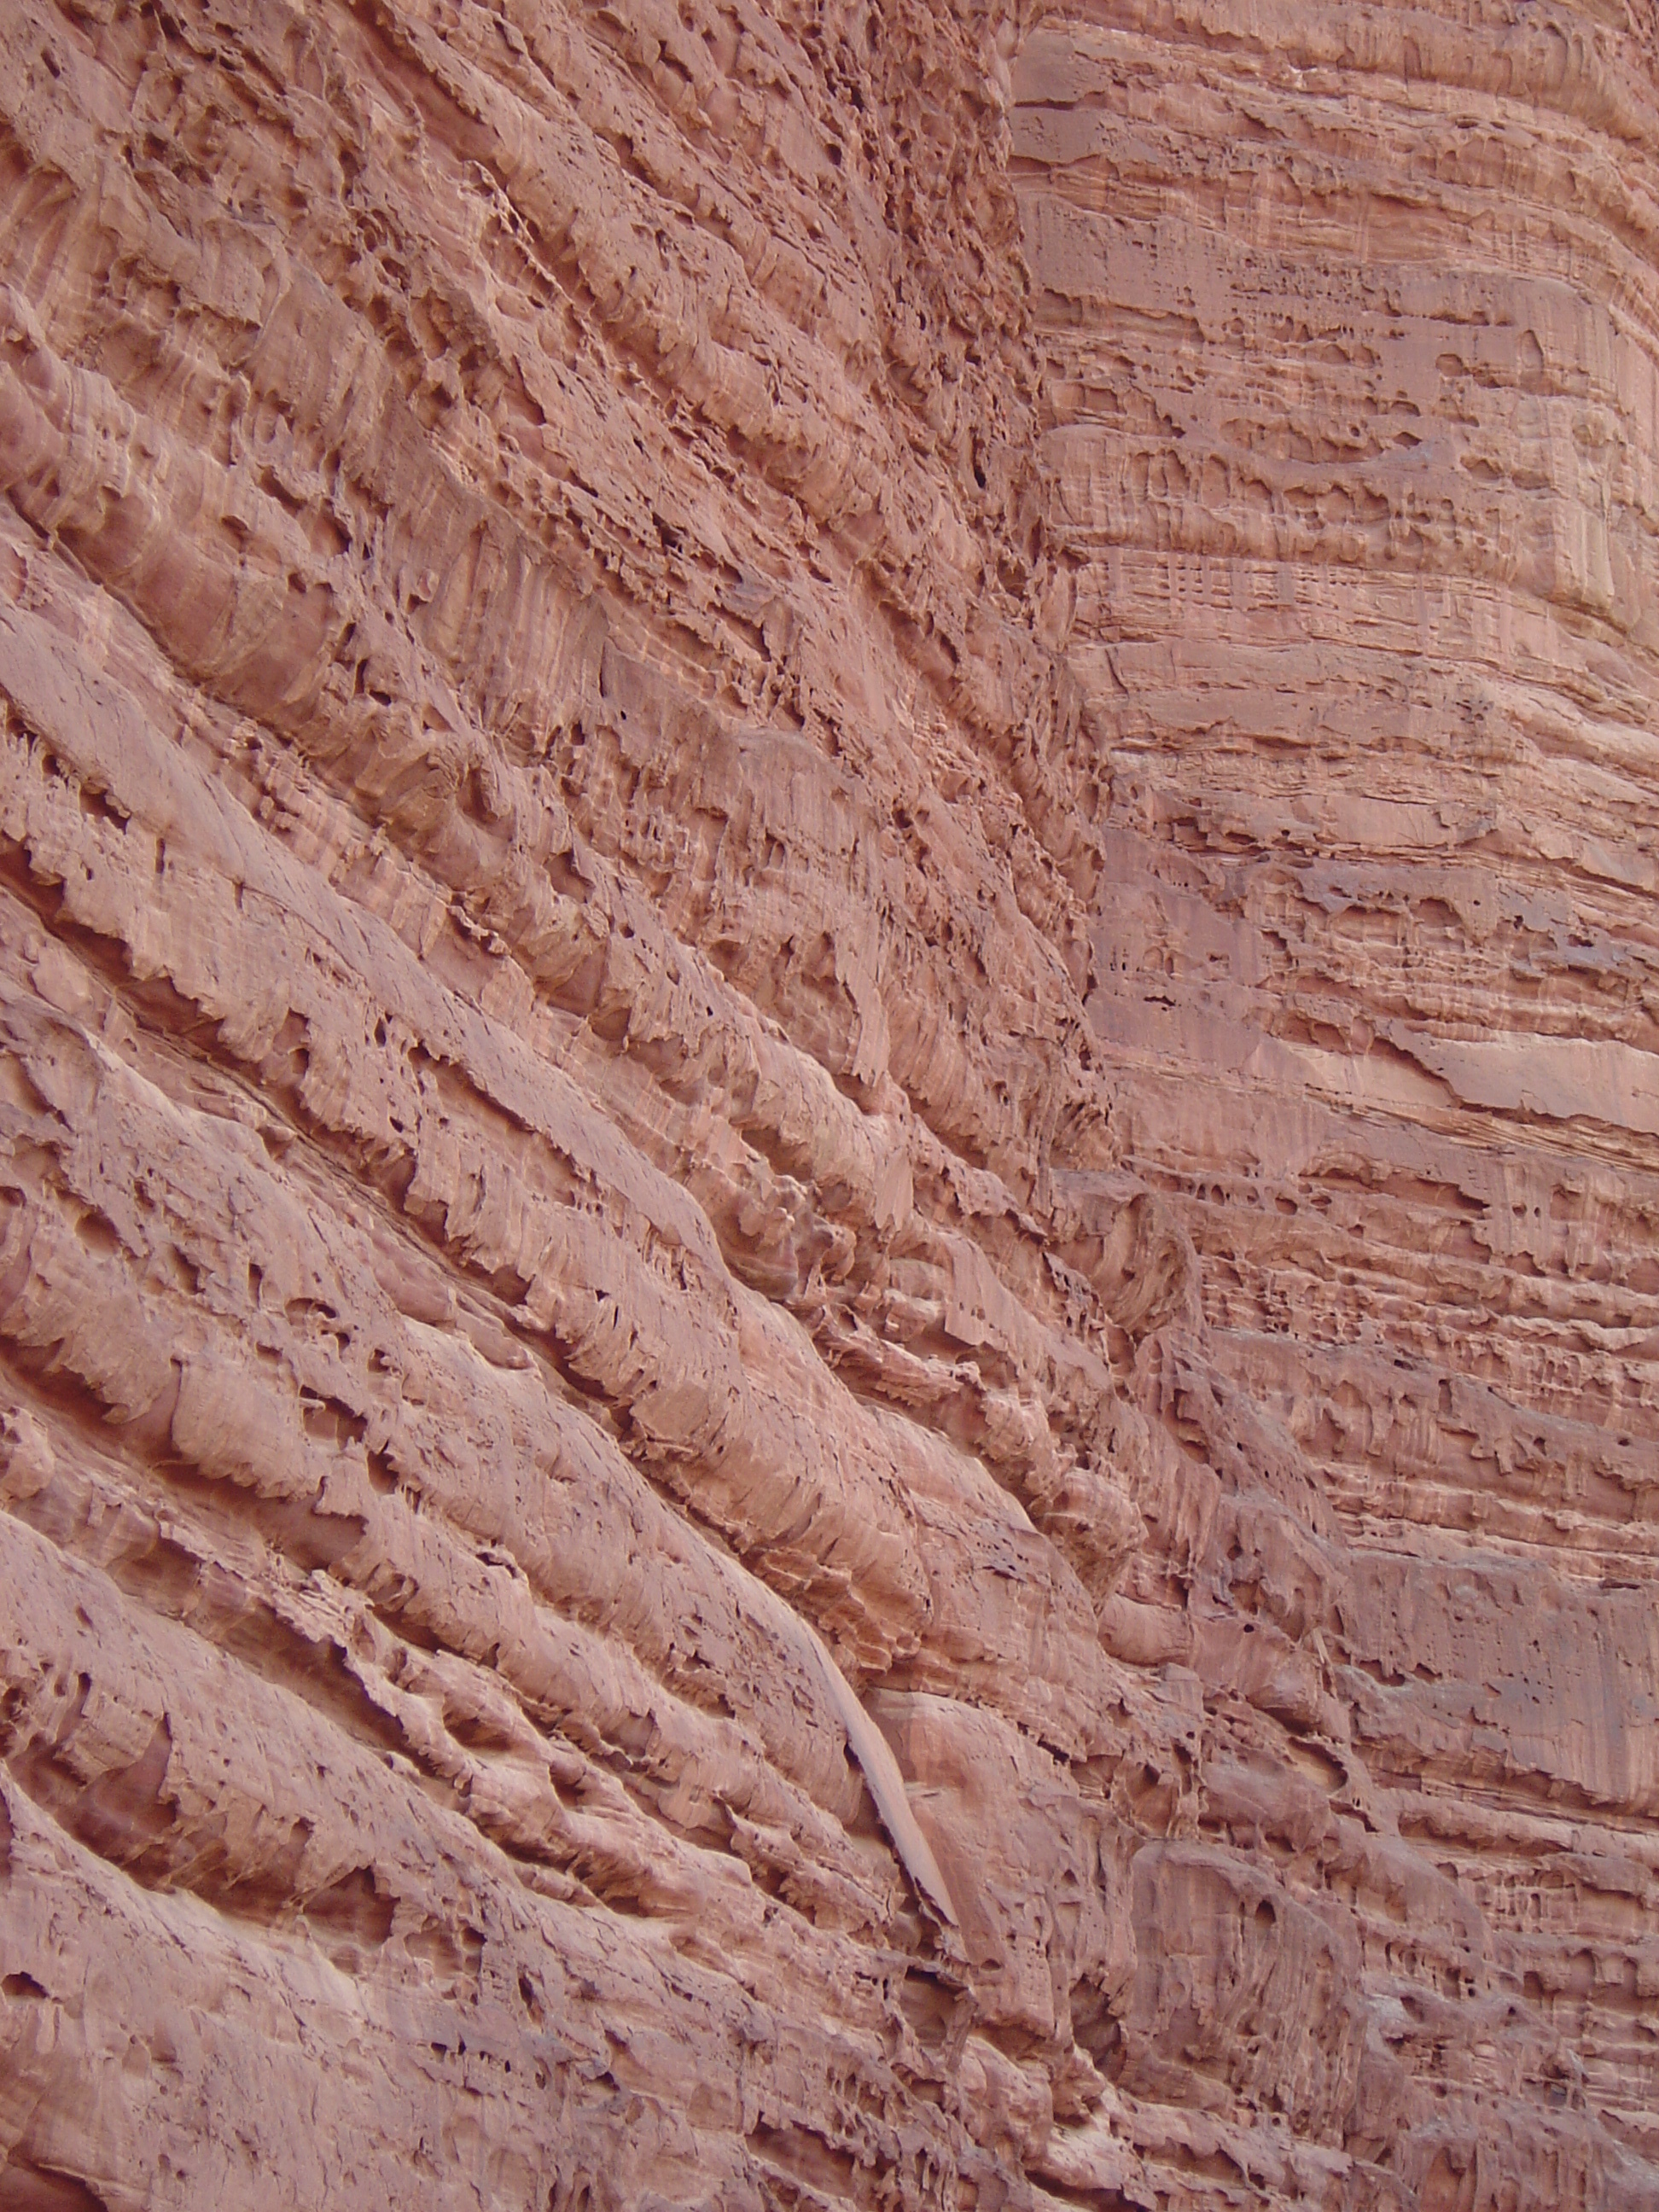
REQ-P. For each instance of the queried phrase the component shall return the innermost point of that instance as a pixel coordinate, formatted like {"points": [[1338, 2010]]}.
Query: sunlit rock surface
{"points": [[828, 1106]]}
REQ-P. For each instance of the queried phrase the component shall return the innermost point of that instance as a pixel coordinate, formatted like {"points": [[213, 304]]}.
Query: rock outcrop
{"points": [[828, 1105]]}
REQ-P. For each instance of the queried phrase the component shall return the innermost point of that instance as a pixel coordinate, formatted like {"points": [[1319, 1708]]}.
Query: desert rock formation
{"points": [[828, 1105]]}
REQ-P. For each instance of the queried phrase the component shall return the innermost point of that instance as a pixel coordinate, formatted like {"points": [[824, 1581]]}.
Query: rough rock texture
{"points": [[830, 1105]]}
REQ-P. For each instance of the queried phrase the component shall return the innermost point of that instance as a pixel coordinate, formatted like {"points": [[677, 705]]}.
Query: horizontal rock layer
{"points": [[826, 1117]]}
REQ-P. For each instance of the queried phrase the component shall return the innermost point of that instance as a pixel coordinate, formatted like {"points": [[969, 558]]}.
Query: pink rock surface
{"points": [[828, 1106]]}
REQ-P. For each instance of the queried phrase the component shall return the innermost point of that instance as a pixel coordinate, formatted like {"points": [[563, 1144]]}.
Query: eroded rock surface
{"points": [[828, 1106]]}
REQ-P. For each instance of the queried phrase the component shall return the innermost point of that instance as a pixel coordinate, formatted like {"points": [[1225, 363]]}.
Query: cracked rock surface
{"points": [[828, 1105]]}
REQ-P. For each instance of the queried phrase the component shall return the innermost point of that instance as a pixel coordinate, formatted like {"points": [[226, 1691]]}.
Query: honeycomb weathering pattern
{"points": [[828, 1105]]}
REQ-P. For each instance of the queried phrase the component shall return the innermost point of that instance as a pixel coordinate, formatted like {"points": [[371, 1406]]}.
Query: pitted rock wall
{"points": [[826, 1112]]}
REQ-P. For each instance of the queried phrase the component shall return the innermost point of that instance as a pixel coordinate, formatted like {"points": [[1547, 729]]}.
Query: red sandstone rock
{"points": [[828, 1118]]}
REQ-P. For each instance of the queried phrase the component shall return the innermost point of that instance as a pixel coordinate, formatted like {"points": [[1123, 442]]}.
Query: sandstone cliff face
{"points": [[827, 1122]]}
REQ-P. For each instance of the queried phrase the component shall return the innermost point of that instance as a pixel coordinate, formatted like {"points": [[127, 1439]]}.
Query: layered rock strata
{"points": [[828, 1125]]}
